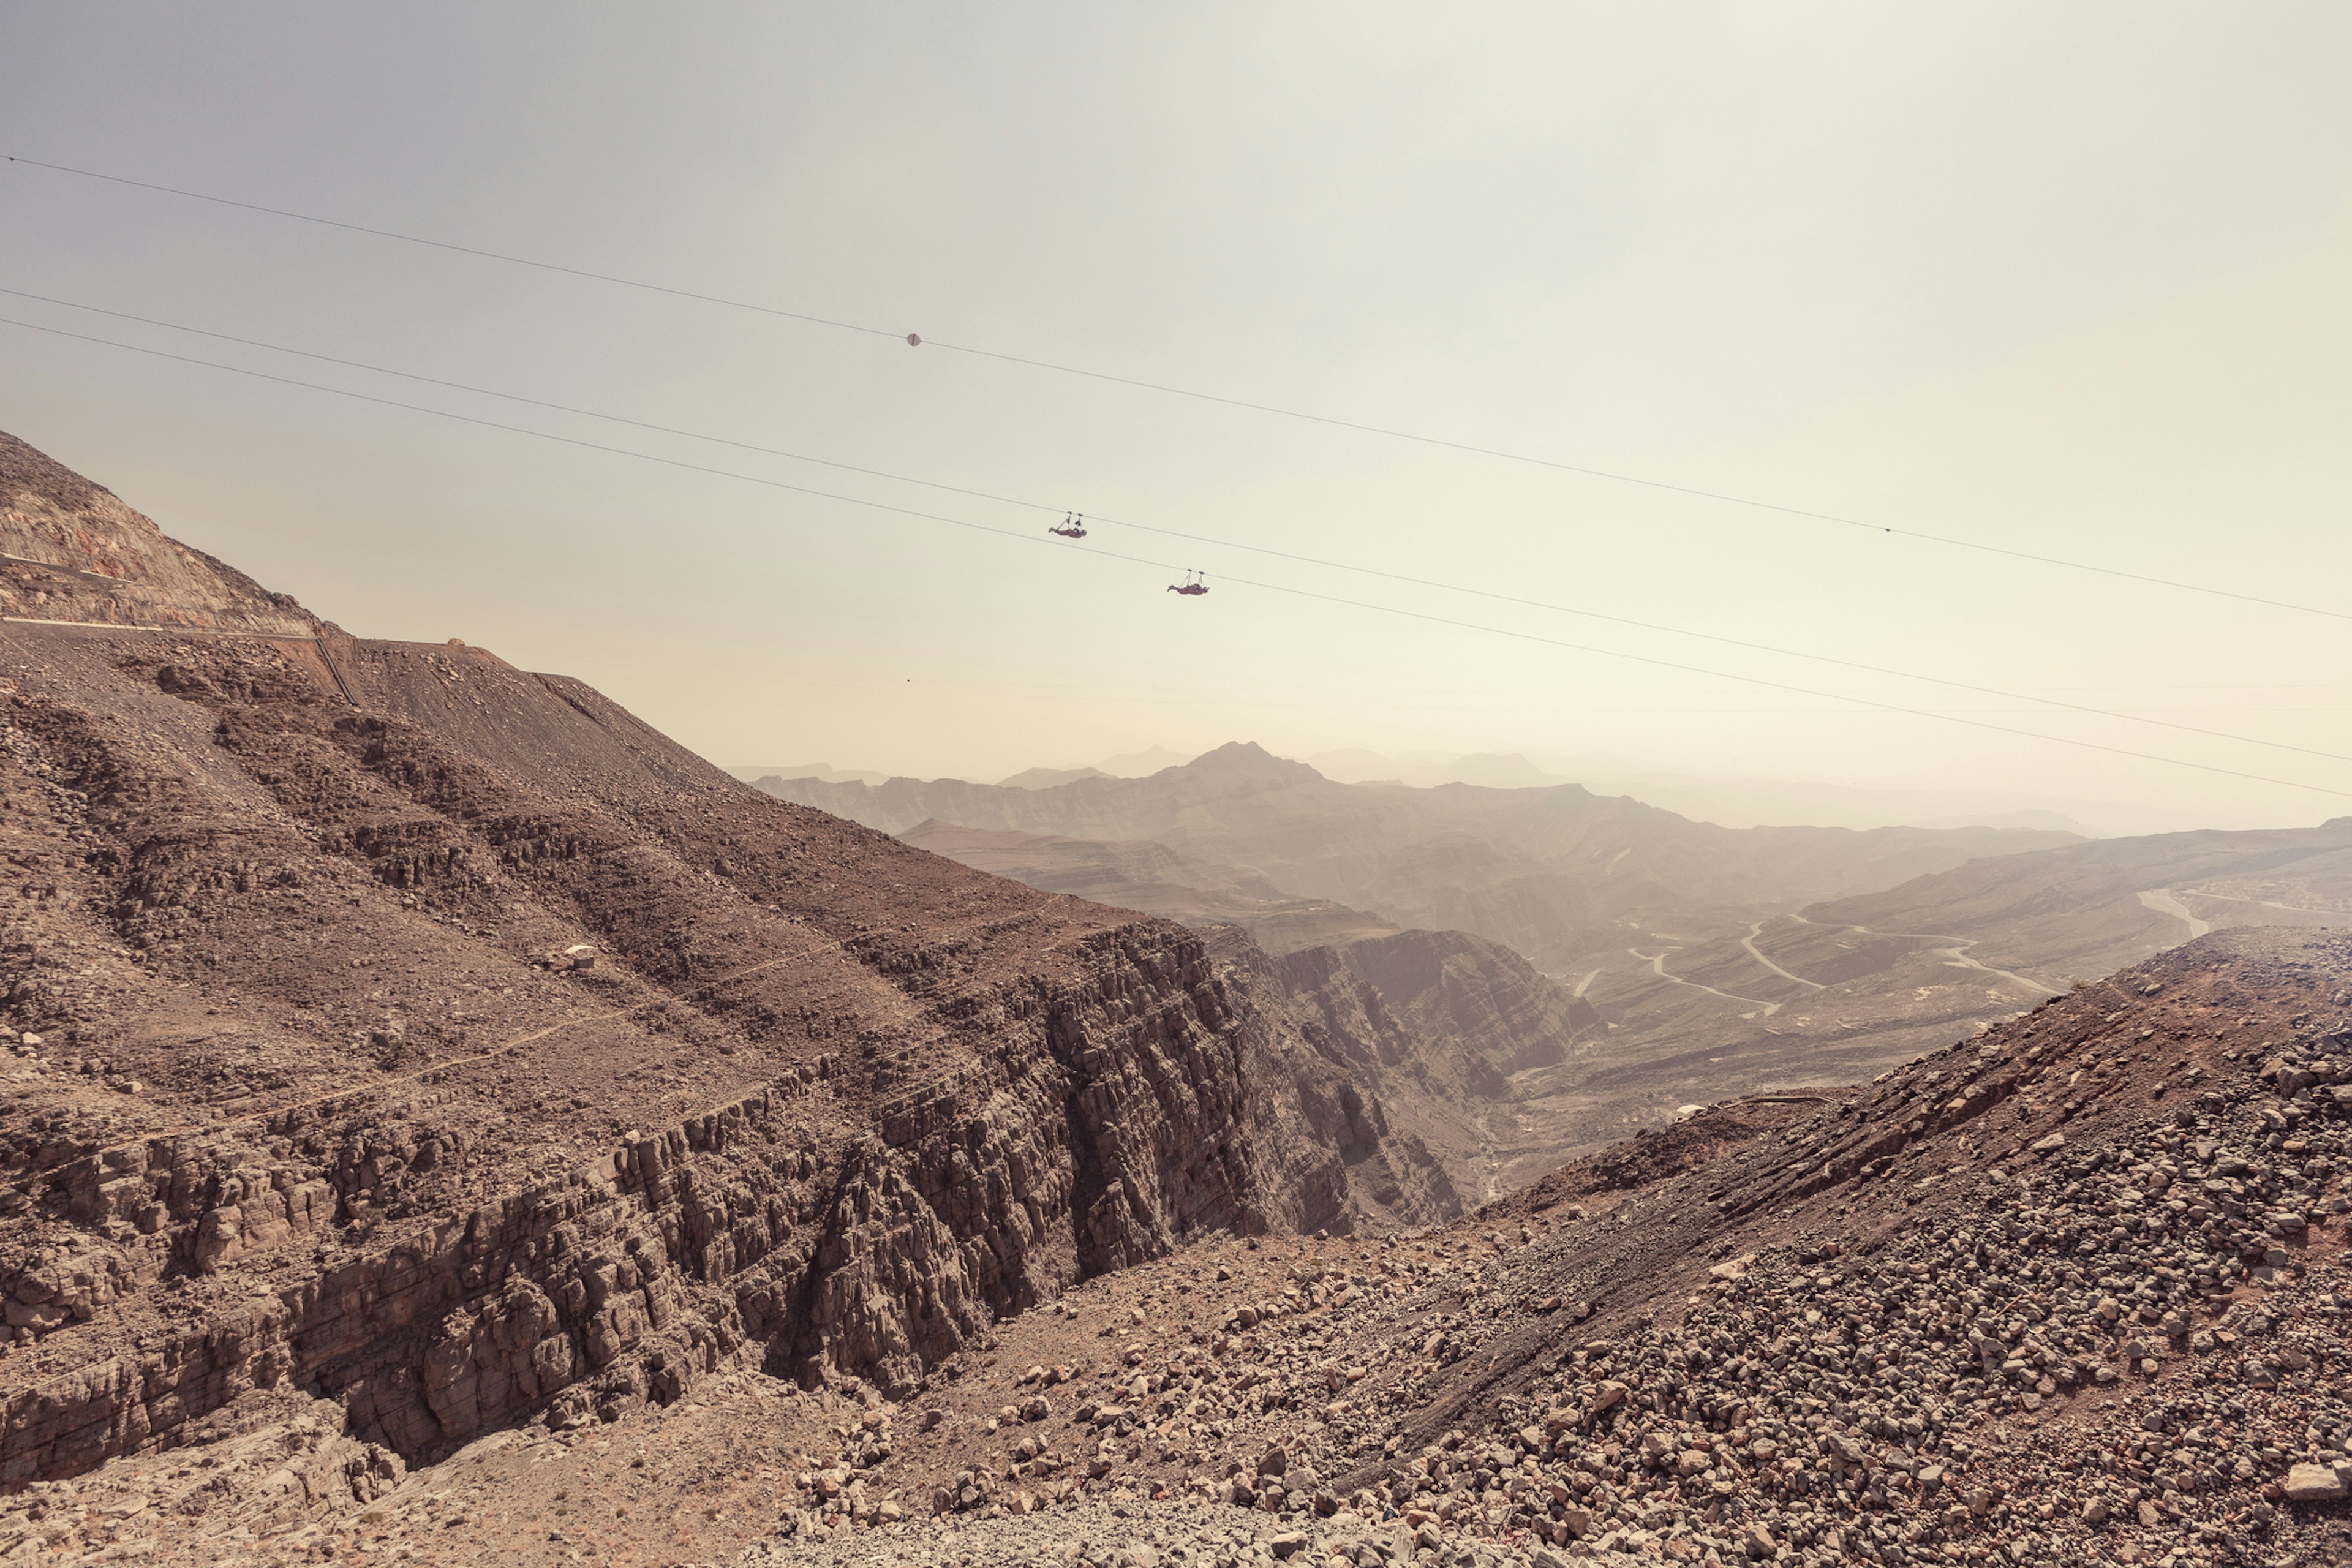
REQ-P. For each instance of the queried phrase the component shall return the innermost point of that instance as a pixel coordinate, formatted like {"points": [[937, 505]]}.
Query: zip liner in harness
{"points": [[1074, 526], [1191, 587]]}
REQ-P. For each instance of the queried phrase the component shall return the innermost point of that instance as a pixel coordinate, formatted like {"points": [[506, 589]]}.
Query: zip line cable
{"points": [[1920, 535], [1165, 566], [462, 250], [1205, 539]]}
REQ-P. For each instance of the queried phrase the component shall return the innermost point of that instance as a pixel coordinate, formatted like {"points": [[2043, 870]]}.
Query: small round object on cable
{"points": [[914, 340]]}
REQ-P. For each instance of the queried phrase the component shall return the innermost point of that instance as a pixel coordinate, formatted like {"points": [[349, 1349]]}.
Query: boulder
{"points": [[2314, 1483]]}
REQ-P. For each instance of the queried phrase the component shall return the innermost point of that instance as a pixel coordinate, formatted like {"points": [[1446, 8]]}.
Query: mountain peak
{"points": [[1248, 758]]}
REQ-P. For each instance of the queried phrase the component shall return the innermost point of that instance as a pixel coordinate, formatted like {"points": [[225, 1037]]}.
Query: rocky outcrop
{"points": [[1473, 1000], [1383, 1162], [71, 551], [1436, 1026], [280, 1459]]}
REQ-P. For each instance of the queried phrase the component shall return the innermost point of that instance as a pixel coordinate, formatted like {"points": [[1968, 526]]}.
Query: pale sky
{"points": [[2069, 280]]}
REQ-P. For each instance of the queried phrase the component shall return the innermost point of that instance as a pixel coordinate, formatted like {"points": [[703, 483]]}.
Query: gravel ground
{"points": [[1125, 1530]]}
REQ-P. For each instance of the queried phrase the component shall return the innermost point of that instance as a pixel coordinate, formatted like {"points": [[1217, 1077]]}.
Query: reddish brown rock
{"points": [[311, 1108]]}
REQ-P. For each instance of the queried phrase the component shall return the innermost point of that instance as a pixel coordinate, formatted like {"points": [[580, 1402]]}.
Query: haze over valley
{"points": [[1709, 961]]}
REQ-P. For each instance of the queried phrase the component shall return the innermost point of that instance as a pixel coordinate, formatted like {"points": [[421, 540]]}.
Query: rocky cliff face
{"points": [[1440, 1025], [391, 1026], [1494, 1013]]}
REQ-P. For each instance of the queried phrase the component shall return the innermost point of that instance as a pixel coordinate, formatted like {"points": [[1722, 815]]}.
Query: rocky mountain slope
{"points": [[2074, 1291], [1537, 870], [1451, 1027], [71, 551], [402, 1047], [1141, 874], [2071, 1292]]}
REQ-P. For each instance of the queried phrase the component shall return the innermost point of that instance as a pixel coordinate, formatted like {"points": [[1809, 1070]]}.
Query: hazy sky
{"points": [[2067, 279]]}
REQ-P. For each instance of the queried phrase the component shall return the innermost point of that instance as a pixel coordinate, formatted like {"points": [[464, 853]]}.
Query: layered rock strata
{"points": [[392, 1026]]}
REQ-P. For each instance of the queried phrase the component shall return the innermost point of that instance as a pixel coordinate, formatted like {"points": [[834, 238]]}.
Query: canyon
{"points": [[1715, 962]]}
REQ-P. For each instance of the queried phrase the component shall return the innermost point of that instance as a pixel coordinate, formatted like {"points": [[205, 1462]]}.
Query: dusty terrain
{"points": [[2079, 912], [2071, 1292], [1701, 1003]]}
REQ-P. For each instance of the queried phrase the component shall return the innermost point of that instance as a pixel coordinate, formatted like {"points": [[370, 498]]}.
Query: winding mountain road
{"points": [[2161, 901], [1749, 941], [1957, 955], [1658, 967]]}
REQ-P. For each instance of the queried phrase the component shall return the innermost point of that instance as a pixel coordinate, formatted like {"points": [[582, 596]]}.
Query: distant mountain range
{"points": [[1047, 778], [1741, 802], [1128, 765], [1727, 799], [825, 772], [1715, 959], [1537, 869]]}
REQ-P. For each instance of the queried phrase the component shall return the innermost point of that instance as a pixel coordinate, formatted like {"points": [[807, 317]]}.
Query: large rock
{"points": [[2314, 1483]]}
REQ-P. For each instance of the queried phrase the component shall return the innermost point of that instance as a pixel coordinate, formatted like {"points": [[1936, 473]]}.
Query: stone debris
{"points": [[2119, 1350], [1905, 1344], [1120, 1529]]}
